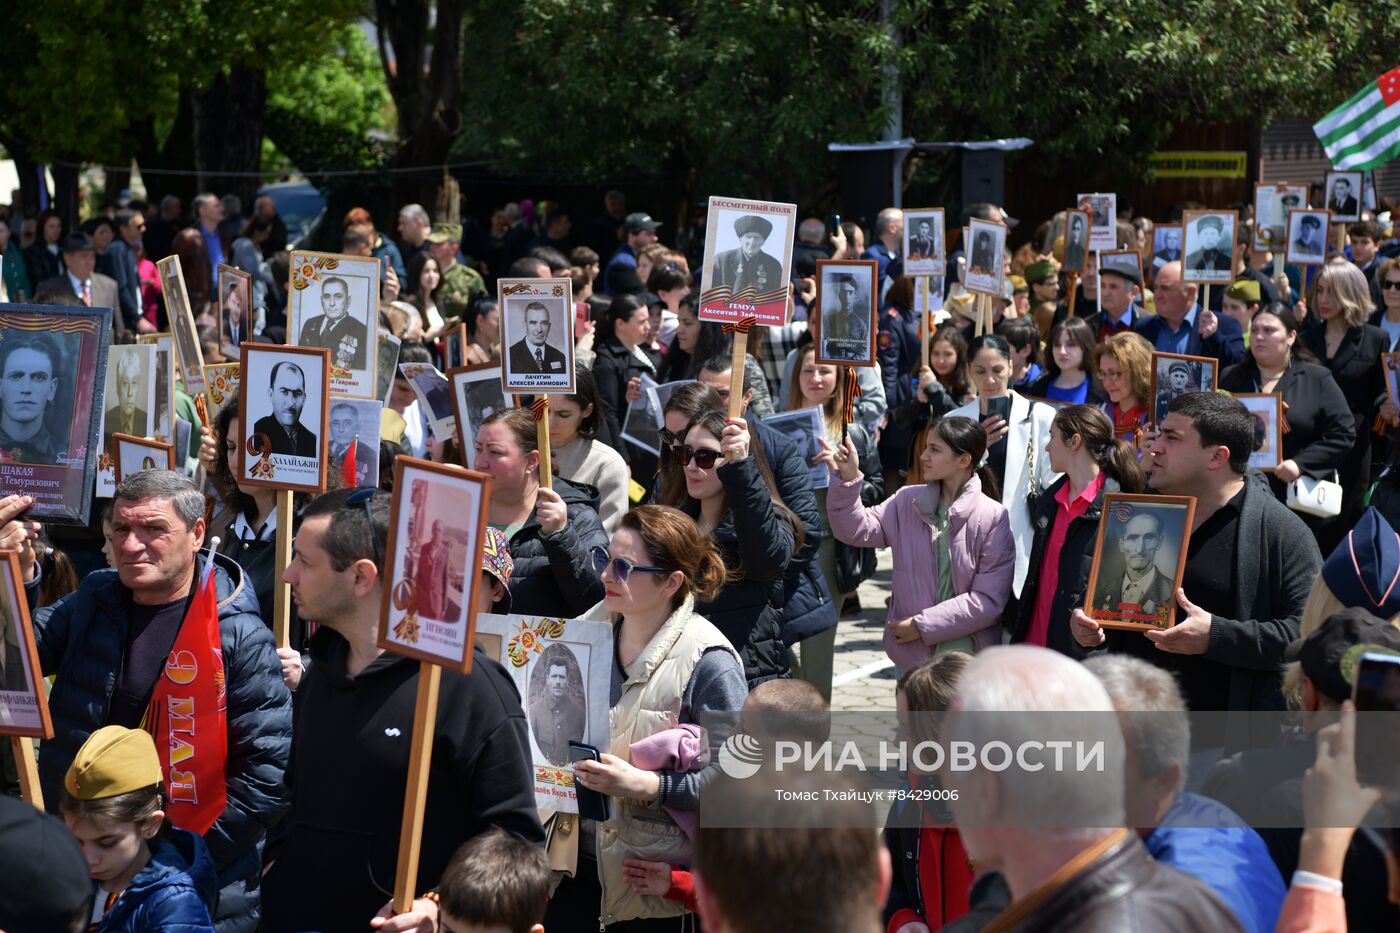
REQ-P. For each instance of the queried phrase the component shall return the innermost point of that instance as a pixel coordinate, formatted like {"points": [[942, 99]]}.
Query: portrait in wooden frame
{"points": [[1207, 246], [177, 310], [1076, 251], [437, 527], [1139, 560], [848, 313], [1272, 202], [235, 291], [1175, 374], [24, 701], [1307, 237], [1267, 410], [131, 455], [333, 304], [165, 412]]}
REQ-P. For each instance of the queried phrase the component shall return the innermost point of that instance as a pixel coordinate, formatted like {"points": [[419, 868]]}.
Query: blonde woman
{"points": [[1351, 349]]}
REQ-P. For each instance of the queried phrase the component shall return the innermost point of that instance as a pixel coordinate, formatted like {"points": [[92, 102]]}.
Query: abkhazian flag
{"points": [[1365, 131]]}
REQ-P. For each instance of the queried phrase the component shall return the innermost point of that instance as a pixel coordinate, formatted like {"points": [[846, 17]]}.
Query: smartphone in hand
{"points": [[591, 804], [1377, 692]]}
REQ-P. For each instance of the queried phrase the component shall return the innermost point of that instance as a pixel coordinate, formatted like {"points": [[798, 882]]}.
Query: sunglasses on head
{"points": [[621, 567], [704, 459]]}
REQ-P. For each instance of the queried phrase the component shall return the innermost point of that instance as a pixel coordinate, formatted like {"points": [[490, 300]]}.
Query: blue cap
{"points": [[1364, 570]]}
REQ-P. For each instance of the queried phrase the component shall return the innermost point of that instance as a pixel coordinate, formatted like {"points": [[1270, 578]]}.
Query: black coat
{"points": [[82, 638], [757, 542], [614, 367], [1320, 432], [1075, 559], [554, 576], [916, 414], [334, 860], [40, 264], [1358, 373]]}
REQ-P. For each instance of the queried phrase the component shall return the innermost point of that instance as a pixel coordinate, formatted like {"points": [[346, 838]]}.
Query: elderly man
{"points": [[461, 284], [126, 416], [31, 367], [1182, 326], [344, 431], [1142, 589], [1048, 842], [286, 434], [414, 227], [889, 236], [532, 354], [748, 269], [1191, 833], [351, 750], [82, 280], [1118, 289], [113, 645], [336, 329]]}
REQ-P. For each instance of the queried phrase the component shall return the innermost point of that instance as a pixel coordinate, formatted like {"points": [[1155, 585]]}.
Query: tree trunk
{"points": [[28, 171], [177, 154], [427, 93], [228, 122]]}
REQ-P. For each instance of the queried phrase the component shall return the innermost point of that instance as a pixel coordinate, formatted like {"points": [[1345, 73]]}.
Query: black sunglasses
{"points": [[704, 459], [363, 496], [621, 566], [1390, 284], [668, 437]]}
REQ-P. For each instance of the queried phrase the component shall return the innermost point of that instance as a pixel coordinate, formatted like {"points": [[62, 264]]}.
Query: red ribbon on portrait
{"points": [[848, 402], [187, 717], [741, 326]]}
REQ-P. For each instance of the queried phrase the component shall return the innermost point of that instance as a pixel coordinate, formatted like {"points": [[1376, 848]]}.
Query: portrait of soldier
{"points": [[126, 416], [749, 268], [533, 353], [1142, 587], [1179, 382], [1076, 243], [336, 328], [921, 241], [31, 367], [430, 574], [1307, 242], [344, 434], [287, 392], [984, 255], [1210, 254], [558, 712], [845, 320]]}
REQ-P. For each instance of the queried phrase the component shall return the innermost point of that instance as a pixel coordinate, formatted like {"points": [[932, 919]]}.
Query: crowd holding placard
{"points": [[1080, 517]]}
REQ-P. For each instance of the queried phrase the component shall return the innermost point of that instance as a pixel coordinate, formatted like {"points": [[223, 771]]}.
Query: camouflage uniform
{"points": [[460, 284]]}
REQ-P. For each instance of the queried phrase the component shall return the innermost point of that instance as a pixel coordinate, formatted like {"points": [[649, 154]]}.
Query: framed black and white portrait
{"points": [[235, 291], [132, 455], [177, 309], [1175, 375], [1209, 242], [1307, 237], [282, 414], [24, 705], [1139, 560], [537, 335], [163, 427], [1166, 245], [1343, 191], [986, 252], [1267, 411], [748, 259], [476, 395], [387, 367], [923, 242], [562, 669], [1103, 219], [1272, 202], [352, 442], [130, 406], [434, 394], [53, 390], [804, 428], [1076, 241], [333, 305], [847, 311], [433, 570]]}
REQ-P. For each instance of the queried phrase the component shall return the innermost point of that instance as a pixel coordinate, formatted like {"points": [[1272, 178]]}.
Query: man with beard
{"points": [[556, 718], [1143, 589]]}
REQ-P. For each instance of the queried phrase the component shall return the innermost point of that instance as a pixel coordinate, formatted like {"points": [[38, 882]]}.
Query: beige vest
{"points": [[650, 703]]}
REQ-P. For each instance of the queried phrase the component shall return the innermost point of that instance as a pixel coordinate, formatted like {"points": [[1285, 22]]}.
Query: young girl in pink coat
{"points": [[954, 556]]}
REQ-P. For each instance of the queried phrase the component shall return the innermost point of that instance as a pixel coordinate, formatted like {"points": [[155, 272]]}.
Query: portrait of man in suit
{"points": [[1210, 253], [125, 385], [81, 280], [344, 434], [235, 315], [533, 354], [921, 241], [336, 328], [1142, 588], [558, 709], [845, 320], [984, 255], [1341, 200], [1076, 243], [748, 268], [31, 367], [287, 392], [1168, 243], [430, 575]]}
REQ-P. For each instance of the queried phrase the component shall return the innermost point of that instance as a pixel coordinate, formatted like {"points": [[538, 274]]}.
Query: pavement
{"points": [[863, 675]]}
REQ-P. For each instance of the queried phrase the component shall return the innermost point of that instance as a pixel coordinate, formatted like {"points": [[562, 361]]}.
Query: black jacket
{"points": [[916, 414], [1357, 370], [1093, 395], [1075, 559], [82, 638], [554, 576], [613, 367], [1123, 889], [757, 543], [333, 865], [258, 559], [1320, 432]]}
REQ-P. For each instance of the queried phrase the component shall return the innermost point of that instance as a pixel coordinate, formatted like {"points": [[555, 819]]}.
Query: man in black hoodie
{"points": [[333, 867]]}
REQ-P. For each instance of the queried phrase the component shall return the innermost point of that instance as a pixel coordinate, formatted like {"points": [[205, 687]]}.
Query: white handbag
{"points": [[1320, 497]]}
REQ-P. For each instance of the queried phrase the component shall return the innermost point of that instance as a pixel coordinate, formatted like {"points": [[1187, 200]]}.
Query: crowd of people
{"points": [[726, 570]]}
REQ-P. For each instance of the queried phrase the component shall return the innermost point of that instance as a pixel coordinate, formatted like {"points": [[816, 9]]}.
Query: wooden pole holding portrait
{"points": [[1072, 295], [540, 409], [281, 589], [24, 708], [28, 769], [925, 321], [427, 493]]}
